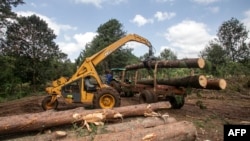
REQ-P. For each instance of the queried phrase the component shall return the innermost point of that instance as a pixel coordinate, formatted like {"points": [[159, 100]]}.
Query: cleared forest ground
{"points": [[208, 110]]}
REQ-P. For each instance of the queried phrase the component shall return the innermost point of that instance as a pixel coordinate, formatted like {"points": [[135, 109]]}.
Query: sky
{"points": [[183, 26]]}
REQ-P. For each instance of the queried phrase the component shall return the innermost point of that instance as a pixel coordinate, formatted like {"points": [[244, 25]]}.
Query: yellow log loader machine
{"points": [[79, 89]]}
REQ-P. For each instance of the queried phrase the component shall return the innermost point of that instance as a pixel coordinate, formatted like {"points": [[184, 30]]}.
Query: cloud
{"points": [[67, 37], [74, 47], [246, 22], [51, 23], [139, 49], [161, 16], [205, 1], [85, 38], [188, 38], [33, 4], [99, 3], [140, 20], [214, 9], [71, 45]]}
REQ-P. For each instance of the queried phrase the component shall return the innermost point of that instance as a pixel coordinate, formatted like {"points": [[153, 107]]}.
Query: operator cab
{"points": [[72, 91], [88, 84]]}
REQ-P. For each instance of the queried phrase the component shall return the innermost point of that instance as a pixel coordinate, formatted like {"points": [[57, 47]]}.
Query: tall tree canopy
{"points": [[232, 35], [30, 41], [5, 14], [214, 53], [229, 53], [167, 54], [108, 33]]}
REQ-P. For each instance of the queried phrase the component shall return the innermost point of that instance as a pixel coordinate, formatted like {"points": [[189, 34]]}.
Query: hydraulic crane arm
{"points": [[88, 66], [101, 55]]}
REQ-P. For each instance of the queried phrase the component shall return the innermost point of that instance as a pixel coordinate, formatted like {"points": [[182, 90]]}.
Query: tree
{"points": [[168, 54], [5, 14], [214, 53], [7, 79], [229, 54], [108, 33], [232, 35], [30, 41]]}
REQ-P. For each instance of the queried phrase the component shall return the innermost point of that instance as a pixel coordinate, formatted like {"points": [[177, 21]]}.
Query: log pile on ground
{"points": [[149, 125], [216, 84]]}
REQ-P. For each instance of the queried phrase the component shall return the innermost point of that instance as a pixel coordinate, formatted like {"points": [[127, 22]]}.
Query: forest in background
{"points": [[30, 58]]}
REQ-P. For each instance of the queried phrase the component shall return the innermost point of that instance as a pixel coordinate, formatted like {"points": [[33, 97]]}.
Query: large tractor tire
{"points": [[147, 97], [176, 101], [106, 98], [46, 105]]}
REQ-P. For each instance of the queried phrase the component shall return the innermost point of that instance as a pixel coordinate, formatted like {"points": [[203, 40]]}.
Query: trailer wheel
{"points": [[106, 98], [47, 105], [176, 101], [146, 97]]}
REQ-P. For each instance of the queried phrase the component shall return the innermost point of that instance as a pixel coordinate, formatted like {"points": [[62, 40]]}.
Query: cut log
{"points": [[184, 63], [197, 81], [177, 131], [174, 131], [46, 119], [134, 123], [216, 84], [138, 123]]}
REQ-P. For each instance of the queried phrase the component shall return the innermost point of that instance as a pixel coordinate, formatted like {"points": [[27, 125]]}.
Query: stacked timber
{"points": [[150, 125], [184, 63], [198, 81]]}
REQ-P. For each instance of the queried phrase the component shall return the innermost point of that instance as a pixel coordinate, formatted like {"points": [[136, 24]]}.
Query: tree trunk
{"points": [[44, 120], [177, 131], [174, 131], [184, 63], [141, 122], [216, 84], [198, 81]]}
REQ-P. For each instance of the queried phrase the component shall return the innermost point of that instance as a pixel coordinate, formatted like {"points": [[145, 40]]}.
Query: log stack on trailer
{"points": [[172, 89]]}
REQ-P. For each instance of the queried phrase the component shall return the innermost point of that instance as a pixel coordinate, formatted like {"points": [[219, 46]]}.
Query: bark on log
{"points": [[138, 123], [177, 131], [134, 124], [216, 84], [184, 63], [44, 120], [197, 81], [182, 130]]}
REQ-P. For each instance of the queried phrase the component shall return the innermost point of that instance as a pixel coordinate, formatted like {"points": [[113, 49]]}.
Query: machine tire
{"points": [[176, 101], [146, 97], [106, 98], [46, 101]]}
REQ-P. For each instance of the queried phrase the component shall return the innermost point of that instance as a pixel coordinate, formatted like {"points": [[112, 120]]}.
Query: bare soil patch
{"points": [[208, 110]]}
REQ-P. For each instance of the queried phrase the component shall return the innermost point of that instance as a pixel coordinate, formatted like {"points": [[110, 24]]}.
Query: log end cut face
{"points": [[201, 63], [203, 81], [222, 84]]}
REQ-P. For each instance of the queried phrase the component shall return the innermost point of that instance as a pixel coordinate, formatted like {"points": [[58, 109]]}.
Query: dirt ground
{"points": [[208, 110]]}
